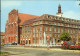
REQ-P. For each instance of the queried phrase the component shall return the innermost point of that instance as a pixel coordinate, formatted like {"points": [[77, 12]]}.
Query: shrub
{"points": [[71, 47]]}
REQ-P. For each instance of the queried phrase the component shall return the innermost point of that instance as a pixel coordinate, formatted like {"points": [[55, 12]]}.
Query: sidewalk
{"points": [[51, 49]]}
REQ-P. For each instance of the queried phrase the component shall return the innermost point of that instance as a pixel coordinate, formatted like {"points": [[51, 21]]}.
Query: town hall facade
{"points": [[32, 30]]}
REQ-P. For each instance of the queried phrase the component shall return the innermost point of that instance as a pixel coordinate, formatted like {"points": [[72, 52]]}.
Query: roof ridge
{"points": [[27, 14]]}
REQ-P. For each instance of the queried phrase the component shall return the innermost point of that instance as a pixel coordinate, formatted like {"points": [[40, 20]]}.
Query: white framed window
{"points": [[46, 28], [54, 29], [50, 28], [40, 28]]}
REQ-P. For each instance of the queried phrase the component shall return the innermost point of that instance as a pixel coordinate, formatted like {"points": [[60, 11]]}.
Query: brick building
{"points": [[2, 35], [32, 30], [13, 25]]}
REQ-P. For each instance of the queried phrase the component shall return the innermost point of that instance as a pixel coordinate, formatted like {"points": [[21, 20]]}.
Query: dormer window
{"points": [[56, 17], [48, 16], [53, 17], [62, 18], [66, 19]]}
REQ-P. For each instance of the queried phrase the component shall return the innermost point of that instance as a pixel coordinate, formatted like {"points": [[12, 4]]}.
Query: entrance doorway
{"points": [[29, 42], [26, 41], [21, 41]]}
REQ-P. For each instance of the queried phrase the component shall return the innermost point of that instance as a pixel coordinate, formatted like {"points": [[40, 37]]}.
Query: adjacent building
{"points": [[2, 35]]}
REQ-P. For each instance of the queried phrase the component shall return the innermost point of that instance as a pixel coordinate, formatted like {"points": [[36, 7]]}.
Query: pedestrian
{"points": [[62, 43], [65, 42]]}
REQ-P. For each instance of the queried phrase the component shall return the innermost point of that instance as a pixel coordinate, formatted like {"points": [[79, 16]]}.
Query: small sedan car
{"points": [[14, 43]]}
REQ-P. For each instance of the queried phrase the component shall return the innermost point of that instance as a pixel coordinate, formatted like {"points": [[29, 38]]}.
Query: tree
{"points": [[65, 36]]}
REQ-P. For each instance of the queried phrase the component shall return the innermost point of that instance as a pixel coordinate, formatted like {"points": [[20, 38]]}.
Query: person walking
{"points": [[62, 43]]}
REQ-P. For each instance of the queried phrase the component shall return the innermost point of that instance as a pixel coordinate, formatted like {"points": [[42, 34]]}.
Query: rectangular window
{"points": [[40, 22], [33, 34], [71, 31], [62, 24], [50, 22], [61, 29], [40, 28], [37, 35], [54, 29], [50, 35], [68, 30], [46, 28], [55, 35], [46, 22], [36, 28], [58, 24], [23, 30], [58, 29], [40, 34], [33, 29], [54, 23], [37, 41], [37, 23], [34, 23], [50, 28], [68, 25], [34, 41]]}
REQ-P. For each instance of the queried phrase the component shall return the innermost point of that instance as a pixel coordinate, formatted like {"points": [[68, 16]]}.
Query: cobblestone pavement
{"points": [[37, 52]]}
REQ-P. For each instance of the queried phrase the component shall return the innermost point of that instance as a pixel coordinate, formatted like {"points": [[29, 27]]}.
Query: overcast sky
{"points": [[70, 9]]}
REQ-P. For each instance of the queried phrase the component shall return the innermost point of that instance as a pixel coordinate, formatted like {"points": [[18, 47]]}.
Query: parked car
{"points": [[14, 43], [7, 43], [22, 43], [70, 43], [2, 44]]}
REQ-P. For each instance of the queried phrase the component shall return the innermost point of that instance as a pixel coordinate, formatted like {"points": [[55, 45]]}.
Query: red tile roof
{"points": [[28, 21], [23, 17]]}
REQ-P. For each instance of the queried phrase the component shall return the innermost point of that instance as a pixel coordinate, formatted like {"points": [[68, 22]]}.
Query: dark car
{"points": [[14, 43]]}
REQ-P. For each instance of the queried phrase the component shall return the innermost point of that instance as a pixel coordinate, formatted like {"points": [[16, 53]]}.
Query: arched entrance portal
{"points": [[26, 41], [29, 41]]}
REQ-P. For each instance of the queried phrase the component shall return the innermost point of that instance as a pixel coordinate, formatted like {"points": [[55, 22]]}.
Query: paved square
{"points": [[21, 51]]}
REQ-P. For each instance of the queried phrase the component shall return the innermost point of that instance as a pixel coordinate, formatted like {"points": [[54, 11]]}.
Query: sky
{"points": [[70, 9]]}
